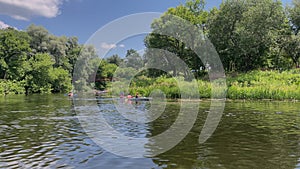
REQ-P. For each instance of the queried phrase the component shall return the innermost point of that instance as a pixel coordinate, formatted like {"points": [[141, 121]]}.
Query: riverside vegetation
{"points": [[257, 41], [252, 85]]}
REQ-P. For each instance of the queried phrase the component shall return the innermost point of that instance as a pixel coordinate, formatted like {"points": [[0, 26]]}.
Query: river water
{"points": [[43, 131]]}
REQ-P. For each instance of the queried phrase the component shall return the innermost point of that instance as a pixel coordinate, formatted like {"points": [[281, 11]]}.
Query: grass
{"points": [[253, 85]]}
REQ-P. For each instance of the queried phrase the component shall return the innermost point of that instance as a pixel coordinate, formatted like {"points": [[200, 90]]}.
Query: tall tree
{"points": [[244, 30], [294, 15], [85, 70], [291, 42], [72, 52], [193, 12], [40, 38], [57, 48]]}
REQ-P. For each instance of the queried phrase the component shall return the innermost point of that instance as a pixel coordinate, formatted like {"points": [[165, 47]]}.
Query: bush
{"points": [[11, 87]]}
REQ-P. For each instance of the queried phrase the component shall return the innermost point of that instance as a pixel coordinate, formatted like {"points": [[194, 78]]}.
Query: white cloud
{"points": [[122, 46], [26, 9], [108, 46], [4, 25]]}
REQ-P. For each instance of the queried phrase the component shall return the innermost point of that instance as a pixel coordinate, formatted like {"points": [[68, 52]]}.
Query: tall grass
{"points": [[265, 85], [253, 85]]}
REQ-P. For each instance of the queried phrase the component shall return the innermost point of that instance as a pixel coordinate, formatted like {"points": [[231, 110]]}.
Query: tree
{"points": [[57, 48], [291, 42], [38, 78], [133, 59], [40, 38], [72, 52], [292, 48], [60, 80], [192, 12], [44, 78], [14, 49], [244, 30], [105, 74], [85, 70], [115, 59], [294, 15]]}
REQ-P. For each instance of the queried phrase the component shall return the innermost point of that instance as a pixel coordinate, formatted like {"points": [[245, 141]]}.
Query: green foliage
{"points": [[294, 16], [133, 59], [34, 61], [40, 38], [87, 64], [243, 32], [193, 13], [14, 47], [11, 87], [115, 59], [265, 85], [60, 80], [254, 85], [38, 79], [291, 46], [105, 74]]}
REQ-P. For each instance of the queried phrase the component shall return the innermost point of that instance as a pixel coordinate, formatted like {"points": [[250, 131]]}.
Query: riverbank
{"points": [[255, 85]]}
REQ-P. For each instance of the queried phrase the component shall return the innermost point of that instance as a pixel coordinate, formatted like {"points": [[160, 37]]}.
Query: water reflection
{"points": [[43, 131], [250, 135]]}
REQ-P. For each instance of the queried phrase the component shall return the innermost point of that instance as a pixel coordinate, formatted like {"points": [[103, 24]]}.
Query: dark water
{"points": [[42, 131]]}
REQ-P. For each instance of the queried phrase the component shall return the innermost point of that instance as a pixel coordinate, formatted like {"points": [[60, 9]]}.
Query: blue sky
{"points": [[81, 18]]}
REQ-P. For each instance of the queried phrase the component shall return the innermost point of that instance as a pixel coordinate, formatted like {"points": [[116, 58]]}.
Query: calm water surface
{"points": [[42, 131]]}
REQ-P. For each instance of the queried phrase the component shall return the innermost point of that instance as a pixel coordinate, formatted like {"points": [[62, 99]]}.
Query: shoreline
{"points": [[168, 99]]}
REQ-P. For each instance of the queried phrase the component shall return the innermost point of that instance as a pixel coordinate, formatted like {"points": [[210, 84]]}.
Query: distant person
{"points": [[122, 95], [70, 94], [136, 95], [129, 96]]}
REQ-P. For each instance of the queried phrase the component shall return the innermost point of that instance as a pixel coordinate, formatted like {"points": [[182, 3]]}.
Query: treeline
{"points": [[35, 61], [247, 34]]}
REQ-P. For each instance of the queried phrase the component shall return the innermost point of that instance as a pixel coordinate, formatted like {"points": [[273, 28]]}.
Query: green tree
{"points": [[14, 49], [115, 59], [60, 80], [244, 30], [72, 52], [192, 12], [133, 59], [85, 69], [292, 48], [38, 79], [57, 48], [40, 38], [294, 15], [105, 74], [291, 42]]}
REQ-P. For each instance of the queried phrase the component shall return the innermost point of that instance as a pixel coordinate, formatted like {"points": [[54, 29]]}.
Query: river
{"points": [[44, 131]]}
